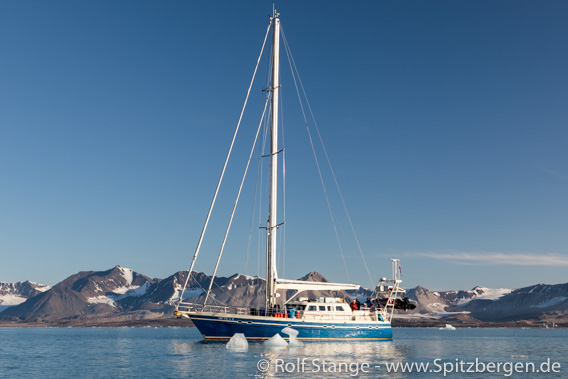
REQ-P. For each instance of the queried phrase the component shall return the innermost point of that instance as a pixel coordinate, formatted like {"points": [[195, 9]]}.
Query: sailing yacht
{"points": [[321, 318]]}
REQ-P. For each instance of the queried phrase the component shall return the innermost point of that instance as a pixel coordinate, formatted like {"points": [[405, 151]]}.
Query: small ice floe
{"points": [[448, 327], [293, 336], [238, 342], [276, 341]]}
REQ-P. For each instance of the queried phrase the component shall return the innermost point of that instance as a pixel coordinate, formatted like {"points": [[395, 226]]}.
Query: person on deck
{"points": [[354, 306], [368, 303]]}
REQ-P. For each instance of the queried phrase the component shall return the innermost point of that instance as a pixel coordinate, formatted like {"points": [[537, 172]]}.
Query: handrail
{"points": [[359, 315]]}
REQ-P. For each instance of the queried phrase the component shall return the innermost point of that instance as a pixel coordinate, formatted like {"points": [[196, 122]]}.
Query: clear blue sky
{"points": [[446, 122]]}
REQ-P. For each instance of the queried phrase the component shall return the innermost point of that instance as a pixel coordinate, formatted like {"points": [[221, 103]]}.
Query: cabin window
{"points": [[329, 308], [340, 309], [312, 308], [322, 308]]}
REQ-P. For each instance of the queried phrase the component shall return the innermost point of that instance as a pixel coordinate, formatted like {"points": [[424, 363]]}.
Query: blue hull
{"points": [[262, 328]]}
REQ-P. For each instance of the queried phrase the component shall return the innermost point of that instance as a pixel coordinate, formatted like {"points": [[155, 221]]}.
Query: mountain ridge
{"points": [[122, 295]]}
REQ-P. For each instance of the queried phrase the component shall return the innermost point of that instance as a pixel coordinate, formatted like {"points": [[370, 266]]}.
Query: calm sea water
{"points": [[180, 353]]}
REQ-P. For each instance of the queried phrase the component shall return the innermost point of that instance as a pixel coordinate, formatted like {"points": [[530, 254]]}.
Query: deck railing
{"points": [[241, 311], [364, 314]]}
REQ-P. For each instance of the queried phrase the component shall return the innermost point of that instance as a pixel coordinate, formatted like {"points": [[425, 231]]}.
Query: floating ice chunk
{"points": [[238, 342], [294, 342], [276, 341], [289, 331], [293, 334], [448, 327]]}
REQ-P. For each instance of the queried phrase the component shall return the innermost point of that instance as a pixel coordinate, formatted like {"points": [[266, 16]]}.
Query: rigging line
{"points": [[327, 201], [268, 68], [196, 282], [283, 188], [262, 149], [330, 166], [225, 164], [257, 196], [249, 242], [236, 300], [204, 290], [288, 54], [262, 238], [237, 199]]}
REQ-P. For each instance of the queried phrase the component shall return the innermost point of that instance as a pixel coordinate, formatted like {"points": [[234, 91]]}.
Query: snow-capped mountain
{"points": [[244, 291], [16, 293], [121, 294], [432, 302], [538, 302], [110, 286], [85, 294]]}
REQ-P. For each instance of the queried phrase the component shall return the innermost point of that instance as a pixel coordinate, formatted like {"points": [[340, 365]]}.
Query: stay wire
{"points": [[288, 54], [237, 199], [224, 165], [329, 162]]}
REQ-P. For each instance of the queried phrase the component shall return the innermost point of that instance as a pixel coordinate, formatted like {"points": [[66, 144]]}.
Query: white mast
{"points": [[271, 274]]}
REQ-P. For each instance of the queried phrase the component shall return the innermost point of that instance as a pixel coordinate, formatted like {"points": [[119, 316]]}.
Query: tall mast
{"points": [[271, 274]]}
